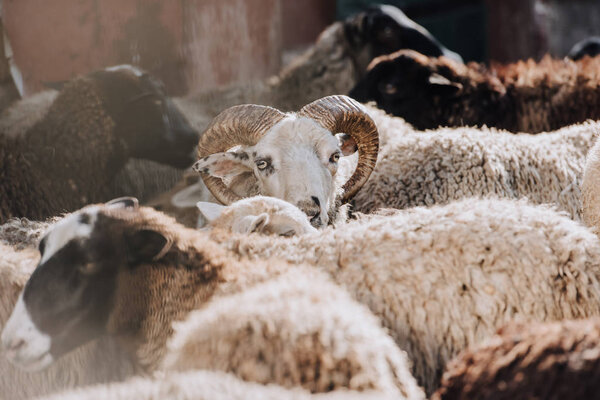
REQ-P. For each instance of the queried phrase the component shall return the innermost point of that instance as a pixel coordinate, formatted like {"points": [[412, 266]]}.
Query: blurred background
{"points": [[193, 45]]}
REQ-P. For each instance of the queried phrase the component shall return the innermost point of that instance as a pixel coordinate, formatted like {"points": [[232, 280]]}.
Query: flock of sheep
{"points": [[353, 255]]}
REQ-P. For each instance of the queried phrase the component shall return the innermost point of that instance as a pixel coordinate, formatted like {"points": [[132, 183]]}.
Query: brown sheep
{"points": [[69, 157], [543, 361], [522, 97]]}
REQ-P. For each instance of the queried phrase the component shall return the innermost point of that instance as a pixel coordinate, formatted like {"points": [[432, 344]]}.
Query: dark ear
{"points": [[56, 85], [441, 85], [125, 202], [363, 90], [146, 245], [347, 144]]}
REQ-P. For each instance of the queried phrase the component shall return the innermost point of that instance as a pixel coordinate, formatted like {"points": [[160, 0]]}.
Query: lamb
{"points": [[522, 97], [109, 116], [257, 214], [291, 156], [154, 272], [204, 385], [446, 277], [338, 59], [437, 167], [529, 361]]}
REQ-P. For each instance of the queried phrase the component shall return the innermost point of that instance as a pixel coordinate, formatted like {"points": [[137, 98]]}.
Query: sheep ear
{"points": [[210, 211], [443, 84], [347, 144], [124, 202], [146, 245], [258, 222], [189, 196], [224, 165]]}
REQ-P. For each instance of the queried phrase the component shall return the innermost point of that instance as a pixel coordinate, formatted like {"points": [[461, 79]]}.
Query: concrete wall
{"points": [[190, 44]]}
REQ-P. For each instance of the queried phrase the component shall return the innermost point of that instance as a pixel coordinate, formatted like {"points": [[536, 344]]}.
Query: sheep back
{"points": [[529, 361]]}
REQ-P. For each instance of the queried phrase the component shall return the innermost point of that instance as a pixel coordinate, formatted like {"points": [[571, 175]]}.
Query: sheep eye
{"points": [[390, 88], [261, 164], [88, 268], [335, 157], [289, 233]]}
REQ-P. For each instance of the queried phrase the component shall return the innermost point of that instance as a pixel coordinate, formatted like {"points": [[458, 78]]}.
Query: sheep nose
{"points": [[12, 347], [312, 209]]}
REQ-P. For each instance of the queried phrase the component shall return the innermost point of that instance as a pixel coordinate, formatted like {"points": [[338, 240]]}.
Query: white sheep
{"points": [[257, 214], [154, 272], [445, 277], [590, 188], [204, 385], [447, 164]]}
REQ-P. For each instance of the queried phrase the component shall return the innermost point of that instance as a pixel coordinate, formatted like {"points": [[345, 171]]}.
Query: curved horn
{"points": [[341, 114], [239, 125]]}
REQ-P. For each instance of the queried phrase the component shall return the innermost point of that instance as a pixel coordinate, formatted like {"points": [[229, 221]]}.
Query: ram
{"points": [[291, 156], [138, 272], [522, 97]]}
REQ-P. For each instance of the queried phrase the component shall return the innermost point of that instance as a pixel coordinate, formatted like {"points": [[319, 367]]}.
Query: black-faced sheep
{"points": [[525, 361], [522, 97], [96, 362], [137, 272], [70, 156], [446, 277]]}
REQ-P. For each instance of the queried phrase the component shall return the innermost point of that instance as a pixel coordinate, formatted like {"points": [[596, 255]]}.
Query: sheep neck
{"points": [[150, 297]]}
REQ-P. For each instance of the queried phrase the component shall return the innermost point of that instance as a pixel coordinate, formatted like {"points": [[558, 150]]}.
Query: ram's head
{"points": [[291, 156]]}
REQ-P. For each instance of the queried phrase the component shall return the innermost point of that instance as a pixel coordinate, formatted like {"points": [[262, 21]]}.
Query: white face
{"points": [[258, 214], [26, 345], [295, 161]]}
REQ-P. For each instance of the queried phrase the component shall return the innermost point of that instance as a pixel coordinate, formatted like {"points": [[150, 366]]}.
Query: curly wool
{"points": [[590, 188], [549, 361], [437, 167], [446, 277], [275, 331], [204, 385], [139, 178]]}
